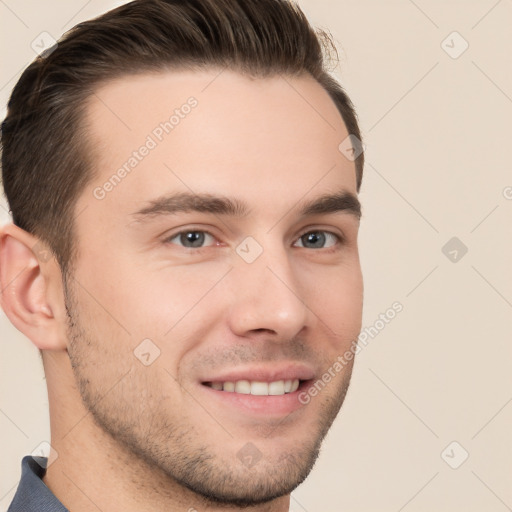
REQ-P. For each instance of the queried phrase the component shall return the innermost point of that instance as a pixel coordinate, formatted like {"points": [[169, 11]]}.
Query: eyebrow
{"points": [[340, 202]]}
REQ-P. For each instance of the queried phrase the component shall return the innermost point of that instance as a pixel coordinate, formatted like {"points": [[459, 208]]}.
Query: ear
{"points": [[31, 288]]}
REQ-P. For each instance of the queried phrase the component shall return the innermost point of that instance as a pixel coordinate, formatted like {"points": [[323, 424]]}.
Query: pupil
{"points": [[193, 239], [314, 238]]}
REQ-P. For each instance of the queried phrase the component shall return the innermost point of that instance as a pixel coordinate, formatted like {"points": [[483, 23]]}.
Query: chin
{"points": [[246, 485]]}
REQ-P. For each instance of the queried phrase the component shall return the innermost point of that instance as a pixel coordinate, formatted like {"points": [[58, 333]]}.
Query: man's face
{"points": [[171, 302]]}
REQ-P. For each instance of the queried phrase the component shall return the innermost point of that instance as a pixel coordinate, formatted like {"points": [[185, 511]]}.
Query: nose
{"points": [[267, 298]]}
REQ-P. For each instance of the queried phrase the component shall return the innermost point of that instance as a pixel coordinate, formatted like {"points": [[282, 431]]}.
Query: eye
{"points": [[191, 239], [197, 239], [318, 240]]}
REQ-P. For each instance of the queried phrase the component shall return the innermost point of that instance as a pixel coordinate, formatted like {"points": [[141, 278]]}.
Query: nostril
{"points": [[264, 330]]}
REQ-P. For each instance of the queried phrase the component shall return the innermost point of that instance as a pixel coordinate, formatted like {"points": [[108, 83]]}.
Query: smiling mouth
{"points": [[257, 388]]}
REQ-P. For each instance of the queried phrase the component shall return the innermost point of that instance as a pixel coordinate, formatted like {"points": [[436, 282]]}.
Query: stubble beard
{"points": [[163, 445]]}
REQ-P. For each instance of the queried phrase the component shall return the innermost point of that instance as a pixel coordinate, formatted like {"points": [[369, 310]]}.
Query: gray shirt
{"points": [[32, 494]]}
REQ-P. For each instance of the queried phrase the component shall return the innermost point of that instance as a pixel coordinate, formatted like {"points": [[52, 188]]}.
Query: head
{"points": [[181, 163]]}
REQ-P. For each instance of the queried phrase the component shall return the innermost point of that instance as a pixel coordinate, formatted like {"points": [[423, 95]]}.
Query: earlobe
{"points": [[25, 279]]}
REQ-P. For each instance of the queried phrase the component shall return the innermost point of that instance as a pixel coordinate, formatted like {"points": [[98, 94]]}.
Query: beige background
{"points": [[438, 136]]}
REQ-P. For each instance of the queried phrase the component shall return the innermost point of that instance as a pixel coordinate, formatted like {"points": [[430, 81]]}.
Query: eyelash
{"points": [[340, 240]]}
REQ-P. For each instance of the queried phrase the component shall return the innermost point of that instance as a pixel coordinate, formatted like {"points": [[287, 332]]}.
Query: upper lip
{"points": [[264, 373]]}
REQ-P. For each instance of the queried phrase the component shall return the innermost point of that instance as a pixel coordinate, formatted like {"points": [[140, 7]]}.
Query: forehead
{"points": [[260, 139]]}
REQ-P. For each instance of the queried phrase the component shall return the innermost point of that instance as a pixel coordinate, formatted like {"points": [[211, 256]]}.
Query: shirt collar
{"points": [[32, 494]]}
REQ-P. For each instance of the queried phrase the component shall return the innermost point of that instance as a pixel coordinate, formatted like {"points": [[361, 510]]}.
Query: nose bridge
{"points": [[268, 294]]}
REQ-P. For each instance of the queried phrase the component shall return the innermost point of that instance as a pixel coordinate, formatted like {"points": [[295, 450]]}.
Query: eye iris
{"points": [[192, 239], [314, 238]]}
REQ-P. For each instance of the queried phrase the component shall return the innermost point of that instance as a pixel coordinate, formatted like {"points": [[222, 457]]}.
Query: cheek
{"points": [[335, 295], [144, 298], [169, 298]]}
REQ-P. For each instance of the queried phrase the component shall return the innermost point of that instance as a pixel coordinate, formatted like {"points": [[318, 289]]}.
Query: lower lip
{"points": [[274, 405]]}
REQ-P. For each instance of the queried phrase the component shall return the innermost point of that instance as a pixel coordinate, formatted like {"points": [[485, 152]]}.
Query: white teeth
{"points": [[228, 386], [243, 386], [258, 388], [276, 388]]}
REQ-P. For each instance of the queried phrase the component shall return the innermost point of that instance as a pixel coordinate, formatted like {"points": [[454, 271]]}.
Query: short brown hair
{"points": [[44, 158]]}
